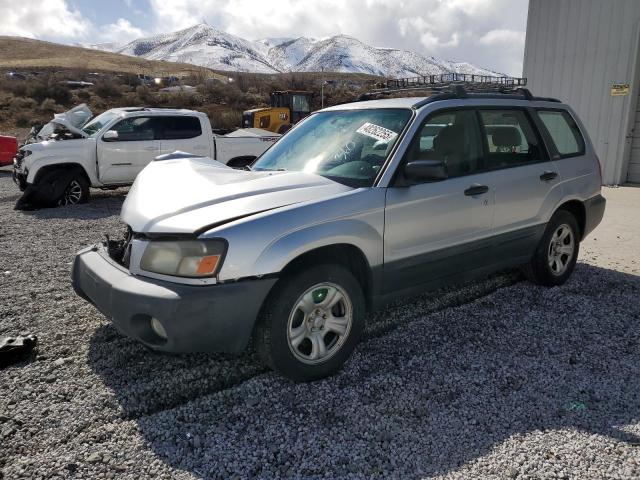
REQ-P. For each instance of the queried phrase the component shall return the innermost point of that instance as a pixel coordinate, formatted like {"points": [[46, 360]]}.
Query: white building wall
{"points": [[575, 50]]}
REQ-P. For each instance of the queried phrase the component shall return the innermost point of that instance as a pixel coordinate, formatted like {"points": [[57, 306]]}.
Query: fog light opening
{"points": [[158, 329]]}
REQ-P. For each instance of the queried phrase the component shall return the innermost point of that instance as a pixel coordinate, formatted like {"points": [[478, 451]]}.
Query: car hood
{"points": [[192, 194], [48, 145], [72, 120]]}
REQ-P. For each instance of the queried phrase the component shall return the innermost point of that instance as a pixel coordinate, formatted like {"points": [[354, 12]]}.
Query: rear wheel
{"points": [[311, 322], [557, 253]]}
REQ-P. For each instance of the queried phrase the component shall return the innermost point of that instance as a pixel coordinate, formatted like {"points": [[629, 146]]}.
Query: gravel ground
{"points": [[498, 379]]}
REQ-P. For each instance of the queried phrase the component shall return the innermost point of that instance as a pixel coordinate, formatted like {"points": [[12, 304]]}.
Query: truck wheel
{"points": [[557, 253], [311, 323], [76, 191]]}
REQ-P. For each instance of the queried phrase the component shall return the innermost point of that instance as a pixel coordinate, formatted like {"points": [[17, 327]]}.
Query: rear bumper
{"points": [[209, 318], [594, 210]]}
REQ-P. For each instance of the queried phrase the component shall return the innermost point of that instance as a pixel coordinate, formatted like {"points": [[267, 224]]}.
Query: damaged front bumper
{"points": [[169, 316], [19, 175]]}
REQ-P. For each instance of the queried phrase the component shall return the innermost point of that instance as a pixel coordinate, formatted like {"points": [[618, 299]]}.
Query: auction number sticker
{"points": [[377, 132]]}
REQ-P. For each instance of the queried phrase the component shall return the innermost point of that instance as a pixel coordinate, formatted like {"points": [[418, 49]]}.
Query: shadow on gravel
{"points": [[102, 204], [422, 400]]}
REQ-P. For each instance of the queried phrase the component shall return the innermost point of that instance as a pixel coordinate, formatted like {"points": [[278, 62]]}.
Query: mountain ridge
{"points": [[207, 46]]}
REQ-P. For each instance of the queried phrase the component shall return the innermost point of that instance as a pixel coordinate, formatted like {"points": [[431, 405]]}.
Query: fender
{"points": [[264, 243], [64, 152], [276, 256]]}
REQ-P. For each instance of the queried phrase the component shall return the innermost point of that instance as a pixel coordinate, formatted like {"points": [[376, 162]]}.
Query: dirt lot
{"points": [[499, 379]]}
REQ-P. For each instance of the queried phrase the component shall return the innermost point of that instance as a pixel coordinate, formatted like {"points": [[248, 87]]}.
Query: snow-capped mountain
{"points": [[209, 47], [205, 46]]}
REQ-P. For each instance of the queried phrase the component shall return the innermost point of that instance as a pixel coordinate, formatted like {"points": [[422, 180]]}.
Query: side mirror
{"points": [[425, 170], [110, 136]]}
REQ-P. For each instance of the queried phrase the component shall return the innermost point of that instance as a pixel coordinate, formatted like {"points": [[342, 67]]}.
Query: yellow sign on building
{"points": [[619, 89]]}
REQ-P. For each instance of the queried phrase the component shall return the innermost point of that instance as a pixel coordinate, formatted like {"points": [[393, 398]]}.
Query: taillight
{"points": [[599, 169]]}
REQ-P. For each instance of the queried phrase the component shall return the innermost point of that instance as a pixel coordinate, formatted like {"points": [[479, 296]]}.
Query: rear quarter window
{"points": [[564, 132]]}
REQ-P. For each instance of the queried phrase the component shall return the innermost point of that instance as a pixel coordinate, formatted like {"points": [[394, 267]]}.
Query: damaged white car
{"points": [[73, 153]]}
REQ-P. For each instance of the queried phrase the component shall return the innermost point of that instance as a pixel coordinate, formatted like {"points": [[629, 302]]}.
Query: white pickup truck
{"points": [[70, 154]]}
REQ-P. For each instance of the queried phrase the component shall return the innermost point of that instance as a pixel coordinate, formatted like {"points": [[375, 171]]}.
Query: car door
{"points": [[123, 155], [526, 181], [184, 133], [439, 229]]}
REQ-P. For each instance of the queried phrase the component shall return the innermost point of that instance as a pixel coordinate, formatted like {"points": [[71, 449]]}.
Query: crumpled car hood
{"points": [[186, 195], [72, 120]]}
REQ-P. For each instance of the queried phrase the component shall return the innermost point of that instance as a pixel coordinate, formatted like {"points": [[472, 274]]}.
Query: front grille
{"points": [[120, 250], [19, 157]]}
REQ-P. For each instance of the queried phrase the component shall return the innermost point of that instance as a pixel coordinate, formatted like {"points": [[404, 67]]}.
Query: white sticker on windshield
{"points": [[377, 132]]}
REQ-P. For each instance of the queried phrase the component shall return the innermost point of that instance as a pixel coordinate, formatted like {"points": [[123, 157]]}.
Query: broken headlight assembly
{"points": [[184, 258]]}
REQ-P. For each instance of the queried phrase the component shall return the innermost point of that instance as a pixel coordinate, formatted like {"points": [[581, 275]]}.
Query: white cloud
{"points": [[122, 31], [49, 19], [503, 37]]}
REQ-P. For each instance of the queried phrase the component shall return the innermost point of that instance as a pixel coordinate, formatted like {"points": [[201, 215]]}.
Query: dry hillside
{"points": [[47, 67], [24, 53]]}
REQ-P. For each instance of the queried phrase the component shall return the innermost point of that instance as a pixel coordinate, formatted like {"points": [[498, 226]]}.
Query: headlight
{"points": [[184, 258]]}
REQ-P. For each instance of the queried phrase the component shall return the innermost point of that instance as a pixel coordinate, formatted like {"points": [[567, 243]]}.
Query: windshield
{"points": [[348, 146], [95, 125]]}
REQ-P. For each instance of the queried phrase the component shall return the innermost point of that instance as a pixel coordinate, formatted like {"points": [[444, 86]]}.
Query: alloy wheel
{"points": [[72, 194], [561, 249]]}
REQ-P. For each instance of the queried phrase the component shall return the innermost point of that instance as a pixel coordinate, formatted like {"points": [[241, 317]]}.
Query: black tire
{"points": [[76, 191], [539, 270], [272, 330]]}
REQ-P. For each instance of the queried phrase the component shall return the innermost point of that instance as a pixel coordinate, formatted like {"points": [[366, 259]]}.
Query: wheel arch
{"points": [[61, 166], [344, 254], [578, 210]]}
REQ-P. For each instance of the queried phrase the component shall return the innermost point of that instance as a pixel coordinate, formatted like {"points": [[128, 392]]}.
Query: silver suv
{"points": [[357, 205]]}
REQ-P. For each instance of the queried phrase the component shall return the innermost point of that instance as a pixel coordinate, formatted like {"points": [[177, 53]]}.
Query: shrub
{"points": [[144, 93], [21, 103], [107, 89], [40, 90], [22, 120], [227, 119], [83, 95], [50, 105]]}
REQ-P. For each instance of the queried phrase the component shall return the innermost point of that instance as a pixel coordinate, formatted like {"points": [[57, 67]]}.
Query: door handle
{"points": [[476, 189], [548, 175]]}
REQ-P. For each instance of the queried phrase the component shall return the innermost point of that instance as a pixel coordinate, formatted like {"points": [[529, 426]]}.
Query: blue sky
{"points": [[100, 13], [487, 33]]}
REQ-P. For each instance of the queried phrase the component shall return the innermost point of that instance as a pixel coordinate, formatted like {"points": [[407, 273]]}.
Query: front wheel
{"points": [[76, 191], [557, 253], [311, 322]]}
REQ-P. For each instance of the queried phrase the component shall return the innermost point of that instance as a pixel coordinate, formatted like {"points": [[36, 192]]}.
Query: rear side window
{"points": [[177, 128], [564, 132], [510, 139]]}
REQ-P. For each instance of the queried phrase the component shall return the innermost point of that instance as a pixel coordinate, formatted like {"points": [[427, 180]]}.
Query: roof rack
{"points": [[456, 85]]}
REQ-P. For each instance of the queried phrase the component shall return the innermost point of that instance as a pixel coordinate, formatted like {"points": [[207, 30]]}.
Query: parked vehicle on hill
{"points": [[71, 154], [357, 205]]}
